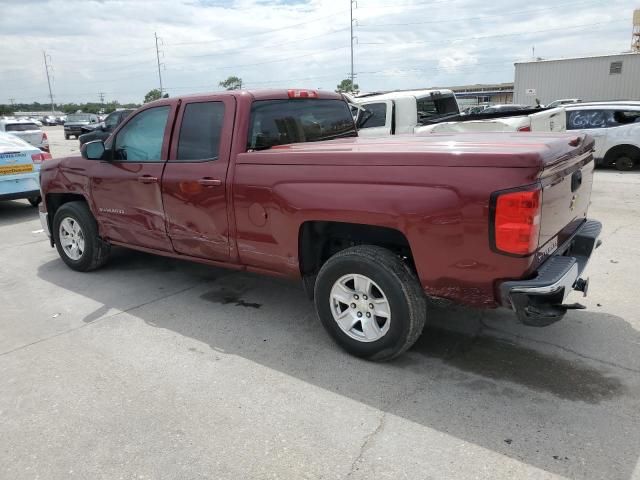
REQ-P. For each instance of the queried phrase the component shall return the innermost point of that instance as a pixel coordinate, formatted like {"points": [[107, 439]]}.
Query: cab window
{"points": [[200, 132], [141, 139], [280, 122], [374, 115]]}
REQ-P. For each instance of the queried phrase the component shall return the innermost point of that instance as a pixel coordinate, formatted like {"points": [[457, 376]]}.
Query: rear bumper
{"points": [[540, 300], [19, 195]]}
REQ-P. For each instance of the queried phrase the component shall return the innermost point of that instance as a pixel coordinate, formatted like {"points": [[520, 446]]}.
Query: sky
{"points": [[108, 46]]}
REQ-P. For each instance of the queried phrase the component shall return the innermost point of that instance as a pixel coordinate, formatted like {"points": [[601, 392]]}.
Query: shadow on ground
{"points": [[16, 211], [536, 402]]}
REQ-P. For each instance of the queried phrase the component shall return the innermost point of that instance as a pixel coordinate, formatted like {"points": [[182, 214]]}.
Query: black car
{"points": [[103, 129]]}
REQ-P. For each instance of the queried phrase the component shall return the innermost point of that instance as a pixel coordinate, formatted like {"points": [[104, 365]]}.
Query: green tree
{"points": [[154, 94], [232, 83], [347, 86]]}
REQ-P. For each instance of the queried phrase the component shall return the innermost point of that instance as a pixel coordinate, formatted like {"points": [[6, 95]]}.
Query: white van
{"points": [[615, 126]]}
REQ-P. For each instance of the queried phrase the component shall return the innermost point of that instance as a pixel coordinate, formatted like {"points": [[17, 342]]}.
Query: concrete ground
{"points": [[161, 369]]}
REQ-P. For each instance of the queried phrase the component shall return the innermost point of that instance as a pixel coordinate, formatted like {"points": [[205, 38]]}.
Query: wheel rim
{"points": [[624, 163], [71, 238], [360, 308]]}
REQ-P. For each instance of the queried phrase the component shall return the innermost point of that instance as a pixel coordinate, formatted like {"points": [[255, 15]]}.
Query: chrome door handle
{"points": [[210, 182], [147, 179]]}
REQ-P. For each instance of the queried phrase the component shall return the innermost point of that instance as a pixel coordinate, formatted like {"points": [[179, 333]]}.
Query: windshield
{"points": [[279, 122], [430, 108], [21, 127], [78, 118]]}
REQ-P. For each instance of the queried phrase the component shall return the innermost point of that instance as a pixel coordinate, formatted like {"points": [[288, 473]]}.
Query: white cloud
{"points": [[108, 46]]}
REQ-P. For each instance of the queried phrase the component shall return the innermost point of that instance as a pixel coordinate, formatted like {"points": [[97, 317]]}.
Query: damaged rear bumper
{"points": [[539, 301]]}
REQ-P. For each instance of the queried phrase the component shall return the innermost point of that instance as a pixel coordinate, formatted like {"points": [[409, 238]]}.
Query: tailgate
{"points": [[553, 120], [566, 193]]}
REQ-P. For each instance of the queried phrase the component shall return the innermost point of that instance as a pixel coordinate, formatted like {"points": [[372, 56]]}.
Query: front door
{"points": [[126, 187], [194, 180]]}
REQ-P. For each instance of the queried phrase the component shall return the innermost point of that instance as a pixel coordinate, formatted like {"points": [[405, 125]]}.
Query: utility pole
{"points": [[158, 59], [351, 3], [47, 67], [12, 101], [101, 95]]}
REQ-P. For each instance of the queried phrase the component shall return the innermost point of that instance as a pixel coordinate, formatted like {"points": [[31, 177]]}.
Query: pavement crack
{"points": [[366, 442], [70, 330]]}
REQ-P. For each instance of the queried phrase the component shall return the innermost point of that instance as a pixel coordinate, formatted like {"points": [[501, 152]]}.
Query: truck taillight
{"points": [[516, 221], [302, 94], [525, 129], [40, 157]]}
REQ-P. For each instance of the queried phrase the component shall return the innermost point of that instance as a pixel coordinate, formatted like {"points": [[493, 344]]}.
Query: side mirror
{"points": [[93, 150]]}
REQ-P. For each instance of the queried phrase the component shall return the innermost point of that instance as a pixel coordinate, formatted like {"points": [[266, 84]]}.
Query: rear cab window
{"points": [[436, 106], [21, 127], [281, 122]]}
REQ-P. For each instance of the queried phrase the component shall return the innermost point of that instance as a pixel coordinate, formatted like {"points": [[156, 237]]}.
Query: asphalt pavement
{"points": [[153, 368]]}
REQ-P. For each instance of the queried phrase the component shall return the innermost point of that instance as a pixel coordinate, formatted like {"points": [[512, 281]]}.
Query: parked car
{"points": [[27, 131], [546, 120], [278, 182], [401, 112], [564, 101], [75, 121], [19, 169], [508, 107], [104, 129], [61, 119], [49, 120], [615, 127]]}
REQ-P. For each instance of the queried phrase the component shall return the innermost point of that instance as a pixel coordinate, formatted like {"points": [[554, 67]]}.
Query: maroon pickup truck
{"points": [[278, 182]]}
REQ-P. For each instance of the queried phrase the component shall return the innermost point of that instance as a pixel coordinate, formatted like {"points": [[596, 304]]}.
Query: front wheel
{"points": [[75, 234], [35, 201], [370, 302]]}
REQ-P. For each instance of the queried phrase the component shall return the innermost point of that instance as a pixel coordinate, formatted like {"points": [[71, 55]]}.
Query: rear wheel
{"points": [[370, 302], [66, 137], [624, 163], [35, 201], [75, 234]]}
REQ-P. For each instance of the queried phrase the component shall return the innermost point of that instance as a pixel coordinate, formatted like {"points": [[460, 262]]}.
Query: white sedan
{"points": [[27, 131], [20, 169]]}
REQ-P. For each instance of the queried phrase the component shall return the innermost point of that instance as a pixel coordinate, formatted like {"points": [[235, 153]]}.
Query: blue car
{"points": [[20, 169]]}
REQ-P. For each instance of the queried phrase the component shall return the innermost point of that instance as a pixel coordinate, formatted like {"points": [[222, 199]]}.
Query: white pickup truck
{"points": [[425, 111], [379, 115]]}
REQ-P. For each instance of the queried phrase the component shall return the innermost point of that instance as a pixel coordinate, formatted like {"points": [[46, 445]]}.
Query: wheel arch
{"points": [[319, 240], [617, 150]]}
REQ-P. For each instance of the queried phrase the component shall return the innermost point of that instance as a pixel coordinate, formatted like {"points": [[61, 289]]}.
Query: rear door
{"points": [[595, 122], [194, 181], [376, 120], [126, 188]]}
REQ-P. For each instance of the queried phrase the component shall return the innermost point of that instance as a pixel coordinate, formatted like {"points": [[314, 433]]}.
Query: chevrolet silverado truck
{"points": [[278, 182]]}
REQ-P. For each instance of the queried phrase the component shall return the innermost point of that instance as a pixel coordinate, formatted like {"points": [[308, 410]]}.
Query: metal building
{"points": [[606, 77]]}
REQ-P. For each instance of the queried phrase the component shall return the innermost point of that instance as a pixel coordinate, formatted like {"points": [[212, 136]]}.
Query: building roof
{"points": [[543, 60]]}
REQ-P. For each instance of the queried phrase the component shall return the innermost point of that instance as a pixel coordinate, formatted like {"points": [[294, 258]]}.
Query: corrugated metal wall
{"points": [[585, 78]]}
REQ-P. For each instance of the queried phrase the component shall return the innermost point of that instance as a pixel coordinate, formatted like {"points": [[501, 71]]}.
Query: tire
{"points": [[66, 137], [35, 201], [91, 252], [388, 279], [624, 163]]}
